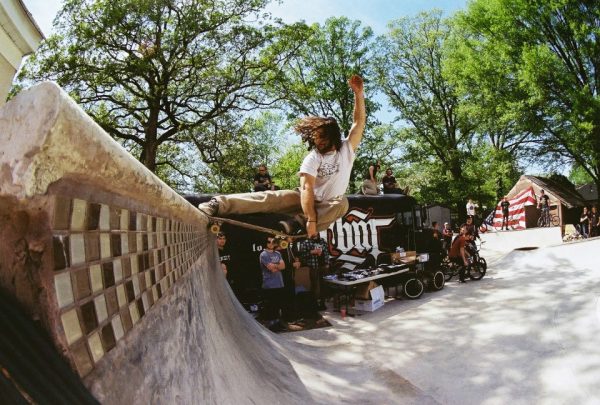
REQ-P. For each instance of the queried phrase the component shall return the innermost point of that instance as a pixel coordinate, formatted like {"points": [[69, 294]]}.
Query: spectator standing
{"points": [[292, 263], [446, 237], [315, 255], [584, 223], [324, 176], [594, 221], [271, 264], [505, 205], [471, 208], [224, 255], [543, 202], [262, 179]]}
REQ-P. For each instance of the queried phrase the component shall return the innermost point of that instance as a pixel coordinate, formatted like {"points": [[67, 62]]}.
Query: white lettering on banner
{"points": [[357, 234]]}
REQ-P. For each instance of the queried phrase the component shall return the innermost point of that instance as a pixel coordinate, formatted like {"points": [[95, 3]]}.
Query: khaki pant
{"points": [[281, 202]]}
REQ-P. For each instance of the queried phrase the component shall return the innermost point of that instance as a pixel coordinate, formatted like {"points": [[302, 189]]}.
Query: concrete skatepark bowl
{"points": [[122, 274]]}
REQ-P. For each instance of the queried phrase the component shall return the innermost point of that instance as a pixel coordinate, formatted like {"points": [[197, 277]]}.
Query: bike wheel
{"points": [[475, 271], [482, 263], [446, 270], [413, 288], [555, 221], [437, 281]]}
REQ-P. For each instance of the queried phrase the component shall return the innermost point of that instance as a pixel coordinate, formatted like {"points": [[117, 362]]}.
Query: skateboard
{"points": [[216, 222]]}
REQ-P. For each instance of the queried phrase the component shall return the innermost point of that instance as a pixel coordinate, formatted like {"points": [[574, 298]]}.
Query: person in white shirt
{"points": [[324, 176], [471, 208]]}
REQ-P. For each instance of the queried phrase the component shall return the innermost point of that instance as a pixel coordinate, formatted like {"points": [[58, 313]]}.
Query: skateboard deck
{"points": [[215, 227]]}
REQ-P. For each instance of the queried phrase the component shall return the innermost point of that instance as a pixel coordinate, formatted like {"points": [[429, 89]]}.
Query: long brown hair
{"points": [[308, 125]]}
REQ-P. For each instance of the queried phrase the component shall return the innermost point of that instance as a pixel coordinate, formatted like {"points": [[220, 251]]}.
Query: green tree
{"points": [[315, 80], [410, 71], [154, 72], [552, 52]]}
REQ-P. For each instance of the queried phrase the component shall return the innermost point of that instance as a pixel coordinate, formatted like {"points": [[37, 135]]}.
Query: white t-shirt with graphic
{"points": [[331, 171]]}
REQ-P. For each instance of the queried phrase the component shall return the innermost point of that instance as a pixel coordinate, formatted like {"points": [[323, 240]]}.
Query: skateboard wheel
{"points": [[283, 244], [215, 228]]}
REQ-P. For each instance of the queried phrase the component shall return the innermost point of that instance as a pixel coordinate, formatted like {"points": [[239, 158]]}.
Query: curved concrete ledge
{"points": [[121, 270]]}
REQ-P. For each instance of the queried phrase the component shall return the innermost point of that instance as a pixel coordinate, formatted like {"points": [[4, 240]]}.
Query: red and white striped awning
{"points": [[516, 211]]}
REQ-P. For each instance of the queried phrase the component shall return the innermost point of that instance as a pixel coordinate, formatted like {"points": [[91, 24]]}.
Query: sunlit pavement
{"points": [[527, 333]]}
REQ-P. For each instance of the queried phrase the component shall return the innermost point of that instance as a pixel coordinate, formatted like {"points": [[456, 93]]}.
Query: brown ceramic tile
{"points": [[108, 337], [153, 221], [129, 291], [77, 249], [152, 277], [126, 266], [159, 290], [126, 319], [151, 240], [78, 215], [147, 279], [144, 242], [142, 282], [60, 245], [154, 294], [138, 241], [100, 305], [82, 358], [159, 256], [88, 317], [150, 298], [133, 311], [124, 243], [117, 270], [63, 289], [115, 244], [136, 285], [108, 275], [81, 282], [95, 345], [132, 242], [62, 213], [96, 277], [105, 251], [104, 218], [114, 218], [93, 216], [112, 303], [121, 295], [140, 307], [123, 220], [71, 326], [134, 259], [141, 222], [145, 301], [118, 327], [92, 246], [150, 256], [132, 221]]}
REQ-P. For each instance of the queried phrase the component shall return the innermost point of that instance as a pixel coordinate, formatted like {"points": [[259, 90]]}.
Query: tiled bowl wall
{"points": [[111, 265]]}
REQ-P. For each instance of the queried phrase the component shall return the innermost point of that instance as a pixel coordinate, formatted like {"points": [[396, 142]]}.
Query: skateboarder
{"points": [[324, 176]]}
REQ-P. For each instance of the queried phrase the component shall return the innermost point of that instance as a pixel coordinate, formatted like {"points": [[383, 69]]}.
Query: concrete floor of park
{"points": [[527, 333]]}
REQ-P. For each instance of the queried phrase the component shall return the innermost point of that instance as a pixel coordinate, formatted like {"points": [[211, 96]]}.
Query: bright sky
{"points": [[374, 13]]}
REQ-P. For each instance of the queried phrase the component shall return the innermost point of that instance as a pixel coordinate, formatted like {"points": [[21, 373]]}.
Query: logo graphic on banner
{"points": [[355, 236]]}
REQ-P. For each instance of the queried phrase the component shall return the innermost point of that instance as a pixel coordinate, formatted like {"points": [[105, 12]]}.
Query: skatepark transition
{"points": [[119, 270]]}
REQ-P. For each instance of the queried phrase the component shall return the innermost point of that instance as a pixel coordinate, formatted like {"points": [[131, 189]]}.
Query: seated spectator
{"points": [[262, 179], [389, 184], [369, 186]]}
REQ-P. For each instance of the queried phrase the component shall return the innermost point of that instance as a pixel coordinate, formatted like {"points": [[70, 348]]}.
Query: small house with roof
{"points": [[565, 201]]}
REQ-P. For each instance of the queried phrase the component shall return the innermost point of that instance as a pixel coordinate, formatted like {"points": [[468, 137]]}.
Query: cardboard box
{"points": [[376, 301], [362, 292], [408, 257], [302, 278]]}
